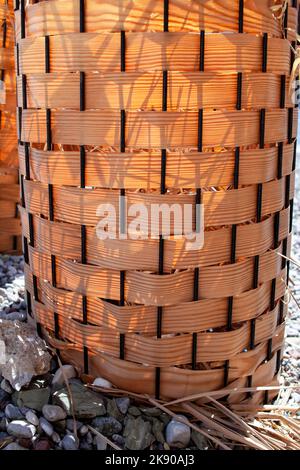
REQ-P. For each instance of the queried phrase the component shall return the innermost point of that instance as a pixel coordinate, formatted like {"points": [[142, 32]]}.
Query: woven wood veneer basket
{"points": [[179, 102], [10, 225]]}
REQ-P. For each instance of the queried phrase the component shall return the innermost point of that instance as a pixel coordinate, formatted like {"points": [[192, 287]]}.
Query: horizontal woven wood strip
{"points": [[6, 58], [11, 227], [198, 316], [142, 170], [10, 103], [89, 52], [9, 157], [154, 129], [146, 15], [9, 192], [7, 245], [8, 122], [166, 351], [64, 240], [10, 39], [7, 209], [3, 10], [221, 207], [10, 81], [177, 382], [8, 175], [134, 90], [151, 289], [8, 136]]}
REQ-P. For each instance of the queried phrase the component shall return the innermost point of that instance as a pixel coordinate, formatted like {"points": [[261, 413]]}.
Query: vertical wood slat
{"points": [[82, 185], [235, 185], [162, 191]]}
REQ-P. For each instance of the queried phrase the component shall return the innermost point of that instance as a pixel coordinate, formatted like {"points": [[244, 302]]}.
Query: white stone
{"points": [[54, 413], [24, 354], [100, 382], [296, 397], [65, 372], [32, 418], [20, 428], [178, 434]]}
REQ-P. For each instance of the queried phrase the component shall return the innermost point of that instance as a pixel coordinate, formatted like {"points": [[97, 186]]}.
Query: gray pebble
{"points": [[12, 412], [5, 385], [70, 425], [178, 434], [152, 412], [123, 404], [46, 427], [100, 443], [32, 418], [70, 442], [134, 411], [56, 438], [107, 425], [20, 428], [54, 413], [83, 430], [118, 439], [16, 316]]}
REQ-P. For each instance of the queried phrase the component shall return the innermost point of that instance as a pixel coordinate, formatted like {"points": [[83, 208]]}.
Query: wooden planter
{"points": [[10, 225], [165, 102]]}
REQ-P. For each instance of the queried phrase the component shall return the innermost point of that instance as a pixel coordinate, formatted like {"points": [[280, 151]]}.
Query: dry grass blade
{"points": [[284, 396], [240, 407], [237, 419], [118, 392], [212, 413], [108, 441], [227, 391], [284, 419], [252, 442], [292, 260], [192, 426], [288, 289], [285, 442], [277, 443]]}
